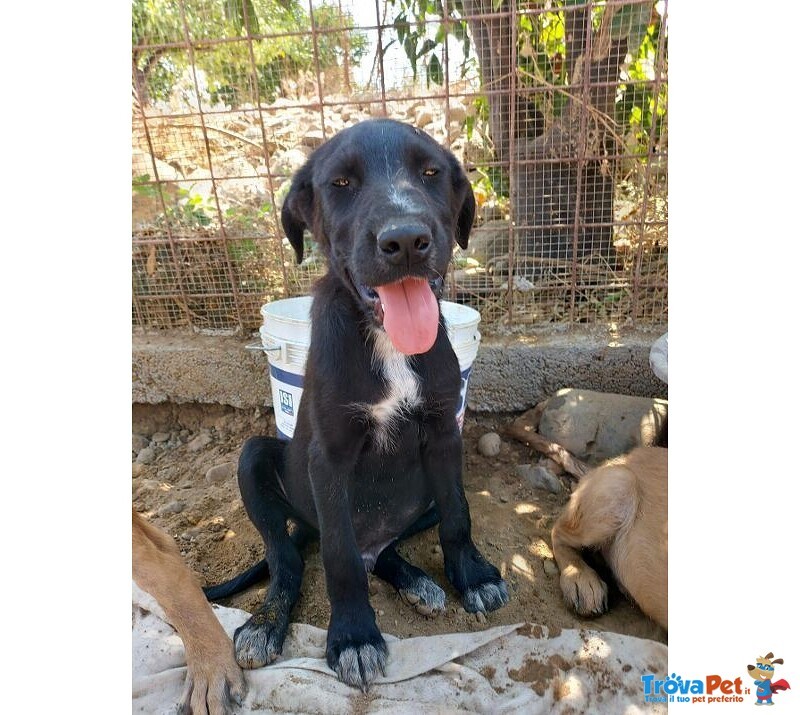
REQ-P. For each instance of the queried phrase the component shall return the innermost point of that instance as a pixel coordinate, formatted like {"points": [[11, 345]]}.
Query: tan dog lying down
{"points": [[212, 675], [619, 508]]}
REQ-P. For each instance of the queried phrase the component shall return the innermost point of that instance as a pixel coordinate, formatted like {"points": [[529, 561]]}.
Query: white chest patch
{"points": [[402, 389]]}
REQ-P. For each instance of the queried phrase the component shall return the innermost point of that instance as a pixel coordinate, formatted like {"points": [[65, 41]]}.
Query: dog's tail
{"points": [[238, 583]]}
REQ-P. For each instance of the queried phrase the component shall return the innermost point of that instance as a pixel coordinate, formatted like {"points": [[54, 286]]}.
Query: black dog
{"points": [[376, 453]]}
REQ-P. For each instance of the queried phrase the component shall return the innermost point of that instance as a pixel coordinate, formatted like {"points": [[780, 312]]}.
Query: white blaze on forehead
{"points": [[400, 189], [401, 198]]}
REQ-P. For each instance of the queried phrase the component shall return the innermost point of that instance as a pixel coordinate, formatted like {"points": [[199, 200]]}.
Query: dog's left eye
{"points": [[430, 171], [341, 181]]}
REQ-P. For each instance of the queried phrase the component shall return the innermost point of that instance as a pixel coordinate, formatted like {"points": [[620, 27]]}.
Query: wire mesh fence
{"points": [[557, 108]]}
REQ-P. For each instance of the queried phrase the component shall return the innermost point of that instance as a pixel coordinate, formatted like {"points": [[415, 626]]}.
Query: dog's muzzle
{"points": [[405, 245]]}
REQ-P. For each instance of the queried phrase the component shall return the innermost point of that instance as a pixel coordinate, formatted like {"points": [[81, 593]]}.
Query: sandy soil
{"points": [[511, 524]]}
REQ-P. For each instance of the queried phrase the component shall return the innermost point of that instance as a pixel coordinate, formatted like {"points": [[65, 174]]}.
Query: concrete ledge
{"points": [[509, 374]]}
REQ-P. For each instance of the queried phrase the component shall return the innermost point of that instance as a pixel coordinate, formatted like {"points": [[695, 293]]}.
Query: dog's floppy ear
{"points": [[463, 202], [298, 208]]}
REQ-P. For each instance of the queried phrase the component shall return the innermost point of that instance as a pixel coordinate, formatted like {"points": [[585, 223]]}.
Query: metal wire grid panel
{"points": [[557, 109]]}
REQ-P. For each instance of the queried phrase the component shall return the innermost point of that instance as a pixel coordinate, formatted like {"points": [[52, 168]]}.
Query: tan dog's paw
{"points": [[212, 685], [584, 591]]}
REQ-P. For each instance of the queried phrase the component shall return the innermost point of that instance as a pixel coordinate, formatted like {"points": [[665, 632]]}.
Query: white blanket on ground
{"points": [[507, 669]]}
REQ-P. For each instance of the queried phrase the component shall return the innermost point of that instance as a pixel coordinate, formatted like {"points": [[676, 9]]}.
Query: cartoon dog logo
{"points": [[762, 673]]}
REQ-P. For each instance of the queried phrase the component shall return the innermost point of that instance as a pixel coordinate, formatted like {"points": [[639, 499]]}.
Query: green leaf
{"points": [[427, 46], [410, 47], [252, 18], [241, 13], [401, 26], [614, 297], [469, 125], [435, 71]]}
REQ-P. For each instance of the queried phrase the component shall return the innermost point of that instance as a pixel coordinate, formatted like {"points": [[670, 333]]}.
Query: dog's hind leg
{"points": [[260, 640], [604, 502]]}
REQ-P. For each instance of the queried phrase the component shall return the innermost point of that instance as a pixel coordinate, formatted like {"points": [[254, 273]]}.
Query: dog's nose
{"points": [[405, 245]]}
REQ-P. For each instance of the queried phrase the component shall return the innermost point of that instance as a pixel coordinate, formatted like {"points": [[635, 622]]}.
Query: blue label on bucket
{"points": [[287, 391], [287, 403]]}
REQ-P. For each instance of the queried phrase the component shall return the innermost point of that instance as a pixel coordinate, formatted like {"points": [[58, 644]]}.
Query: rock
{"points": [[139, 443], [457, 113], [312, 138], [551, 466], [174, 507], [287, 162], [539, 478], [423, 117], [192, 533], [594, 426], [658, 357], [142, 164], [489, 242], [146, 455], [202, 440], [201, 185], [489, 444], [160, 437], [550, 567], [221, 472]]}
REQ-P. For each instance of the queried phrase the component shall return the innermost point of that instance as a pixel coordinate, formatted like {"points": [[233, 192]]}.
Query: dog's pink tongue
{"points": [[410, 315]]}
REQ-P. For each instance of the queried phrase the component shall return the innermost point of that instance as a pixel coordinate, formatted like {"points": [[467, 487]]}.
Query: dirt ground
{"points": [[203, 511]]}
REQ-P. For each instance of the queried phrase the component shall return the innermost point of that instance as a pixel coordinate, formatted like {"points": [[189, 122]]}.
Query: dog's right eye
{"points": [[341, 181]]}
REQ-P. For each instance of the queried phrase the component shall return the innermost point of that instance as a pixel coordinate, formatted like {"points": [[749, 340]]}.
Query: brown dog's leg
{"points": [[604, 502], [212, 675]]}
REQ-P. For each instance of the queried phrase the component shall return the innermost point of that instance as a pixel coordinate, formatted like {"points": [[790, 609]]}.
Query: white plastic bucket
{"points": [[286, 333]]}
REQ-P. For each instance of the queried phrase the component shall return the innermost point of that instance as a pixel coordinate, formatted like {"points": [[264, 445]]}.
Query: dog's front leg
{"points": [[479, 582], [355, 650]]}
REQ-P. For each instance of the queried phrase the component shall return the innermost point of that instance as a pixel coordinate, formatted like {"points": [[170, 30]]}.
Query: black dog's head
{"points": [[385, 202]]}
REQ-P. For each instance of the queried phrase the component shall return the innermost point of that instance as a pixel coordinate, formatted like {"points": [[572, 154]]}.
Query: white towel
{"points": [[521, 668]]}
